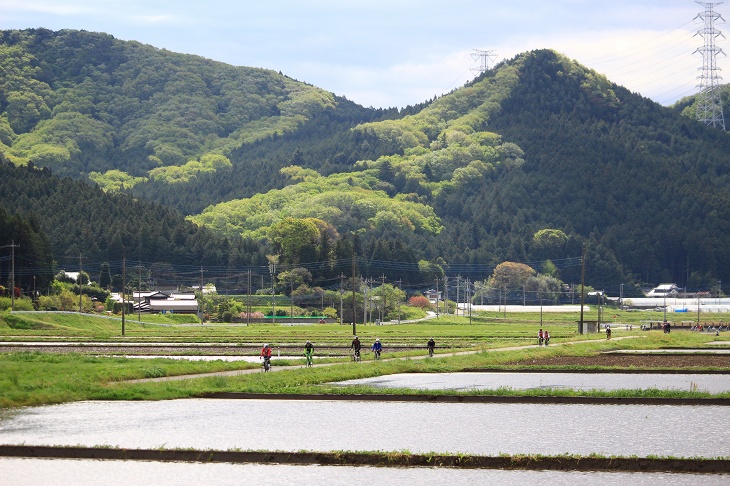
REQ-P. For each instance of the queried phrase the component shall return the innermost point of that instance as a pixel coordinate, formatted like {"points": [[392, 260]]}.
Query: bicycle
{"points": [[309, 359], [267, 364], [356, 355], [430, 352], [377, 354]]}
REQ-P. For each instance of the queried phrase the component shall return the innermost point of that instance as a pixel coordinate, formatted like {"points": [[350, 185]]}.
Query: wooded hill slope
{"points": [[537, 143]]}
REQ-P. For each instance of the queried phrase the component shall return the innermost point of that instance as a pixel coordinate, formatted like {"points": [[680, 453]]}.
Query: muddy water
{"points": [[485, 429], [27, 472], [711, 383]]}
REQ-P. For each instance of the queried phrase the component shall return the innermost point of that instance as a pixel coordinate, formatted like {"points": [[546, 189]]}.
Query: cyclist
{"points": [[355, 346], [266, 354], [377, 348], [608, 331], [546, 337], [540, 337], [308, 352], [431, 345]]}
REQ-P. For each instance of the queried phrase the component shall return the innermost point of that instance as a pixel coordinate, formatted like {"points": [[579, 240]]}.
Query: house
{"points": [[161, 302], [663, 290], [174, 306], [433, 296]]}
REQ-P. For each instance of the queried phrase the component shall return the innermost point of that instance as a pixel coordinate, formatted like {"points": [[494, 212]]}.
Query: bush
{"points": [[419, 301], [21, 303], [49, 303]]}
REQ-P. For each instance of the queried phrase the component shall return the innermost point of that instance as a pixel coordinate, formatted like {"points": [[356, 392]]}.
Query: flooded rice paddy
{"points": [[710, 383], [31, 472], [484, 429]]}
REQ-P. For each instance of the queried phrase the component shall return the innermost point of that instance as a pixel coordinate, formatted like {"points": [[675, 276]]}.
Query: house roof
{"points": [[178, 305]]}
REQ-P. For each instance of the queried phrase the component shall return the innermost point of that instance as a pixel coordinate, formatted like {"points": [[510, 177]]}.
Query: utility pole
{"points": [[248, 299], [139, 291], [385, 301], [12, 247], [437, 297], [709, 104], [124, 286], [468, 296], [505, 301], [272, 270], [582, 287], [446, 294], [354, 307], [81, 284], [200, 305], [342, 276]]}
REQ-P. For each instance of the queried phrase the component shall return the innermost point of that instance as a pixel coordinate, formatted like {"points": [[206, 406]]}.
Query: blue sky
{"points": [[386, 53]]}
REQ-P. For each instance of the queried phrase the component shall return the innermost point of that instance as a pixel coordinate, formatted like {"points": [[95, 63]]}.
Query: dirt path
{"points": [[294, 367]]}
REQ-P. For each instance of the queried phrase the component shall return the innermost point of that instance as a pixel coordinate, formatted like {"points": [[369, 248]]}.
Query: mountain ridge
{"points": [[538, 142]]}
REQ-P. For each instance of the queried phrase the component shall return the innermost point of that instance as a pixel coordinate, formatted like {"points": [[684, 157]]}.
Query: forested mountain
{"points": [[67, 219], [528, 162]]}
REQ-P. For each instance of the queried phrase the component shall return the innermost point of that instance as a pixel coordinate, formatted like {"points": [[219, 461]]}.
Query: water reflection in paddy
{"points": [[711, 383], [22, 472], [486, 429]]}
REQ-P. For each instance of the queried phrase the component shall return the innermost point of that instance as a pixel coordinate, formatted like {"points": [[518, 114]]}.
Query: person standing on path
{"points": [[308, 352]]}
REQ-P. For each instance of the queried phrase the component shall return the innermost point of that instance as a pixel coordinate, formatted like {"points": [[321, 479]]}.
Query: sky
{"points": [[394, 53]]}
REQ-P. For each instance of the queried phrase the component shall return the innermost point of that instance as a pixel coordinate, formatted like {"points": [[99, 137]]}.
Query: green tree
{"points": [[291, 235]]}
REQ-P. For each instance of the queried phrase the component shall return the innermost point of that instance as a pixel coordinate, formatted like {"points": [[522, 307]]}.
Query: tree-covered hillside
{"points": [[85, 103], [542, 143], [646, 183], [528, 163]]}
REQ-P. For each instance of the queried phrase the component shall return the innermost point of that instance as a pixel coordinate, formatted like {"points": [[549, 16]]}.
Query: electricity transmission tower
{"points": [[709, 105], [483, 57]]}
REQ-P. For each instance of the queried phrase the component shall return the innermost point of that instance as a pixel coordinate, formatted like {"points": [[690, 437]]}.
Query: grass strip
{"points": [[464, 398], [566, 462]]}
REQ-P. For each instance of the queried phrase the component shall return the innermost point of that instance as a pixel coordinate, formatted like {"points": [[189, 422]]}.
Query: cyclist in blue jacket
{"points": [[377, 348]]}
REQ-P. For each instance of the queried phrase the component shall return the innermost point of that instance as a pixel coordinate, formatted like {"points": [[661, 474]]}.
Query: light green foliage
{"points": [[446, 143], [115, 180], [69, 138], [346, 201], [290, 235], [549, 238], [598, 89], [7, 135], [163, 109], [208, 163], [305, 100], [21, 303], [395, 135], [511, 275], [296, 173]]}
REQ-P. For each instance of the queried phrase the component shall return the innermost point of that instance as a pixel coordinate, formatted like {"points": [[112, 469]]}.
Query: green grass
{"points": [[31, 378]]}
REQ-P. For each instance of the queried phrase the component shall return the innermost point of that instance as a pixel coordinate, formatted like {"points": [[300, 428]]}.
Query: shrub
{"points": [[419, 301]]}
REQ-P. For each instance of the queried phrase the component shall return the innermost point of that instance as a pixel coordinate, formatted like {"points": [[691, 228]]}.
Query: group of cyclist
{"points": [[543, 337], [355, 346]]}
